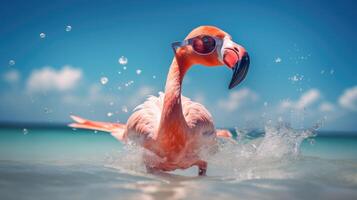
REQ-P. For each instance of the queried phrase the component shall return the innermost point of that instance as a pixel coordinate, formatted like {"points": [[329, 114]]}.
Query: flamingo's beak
{"points": [[236, 58]]}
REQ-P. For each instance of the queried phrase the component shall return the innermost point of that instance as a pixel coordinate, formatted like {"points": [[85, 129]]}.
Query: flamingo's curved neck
{"points": [[172, 116]]}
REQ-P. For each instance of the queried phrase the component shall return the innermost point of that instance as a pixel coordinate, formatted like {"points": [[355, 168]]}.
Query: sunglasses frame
{"points": [[176, 45]]}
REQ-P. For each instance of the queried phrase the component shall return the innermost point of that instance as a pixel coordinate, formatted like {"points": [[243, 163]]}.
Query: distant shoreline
{"points": [[46, 125]]}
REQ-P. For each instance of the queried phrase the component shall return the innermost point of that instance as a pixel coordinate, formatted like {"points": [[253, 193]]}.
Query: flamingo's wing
{"points": [[145, 121], [197, 116], [146, 118], [115, 129]]}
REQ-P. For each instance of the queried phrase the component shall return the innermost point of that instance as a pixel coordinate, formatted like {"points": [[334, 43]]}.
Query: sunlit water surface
{"points": [[280, 164]]}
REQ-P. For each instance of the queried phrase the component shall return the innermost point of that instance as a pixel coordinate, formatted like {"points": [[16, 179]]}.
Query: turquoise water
{"points": [[65, 164]]}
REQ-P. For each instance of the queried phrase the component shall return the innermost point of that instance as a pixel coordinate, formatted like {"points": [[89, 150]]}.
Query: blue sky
{"points": [[302, 69]]}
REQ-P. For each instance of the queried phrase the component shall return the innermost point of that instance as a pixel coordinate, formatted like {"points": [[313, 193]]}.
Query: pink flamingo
{"points": [[174, 129]]}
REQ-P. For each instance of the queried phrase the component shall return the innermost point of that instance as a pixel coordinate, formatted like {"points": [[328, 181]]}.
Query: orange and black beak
{"points": [[236, 58]]}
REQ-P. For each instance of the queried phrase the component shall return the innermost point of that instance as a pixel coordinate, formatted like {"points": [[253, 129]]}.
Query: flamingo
{"points": [[172, 129]]}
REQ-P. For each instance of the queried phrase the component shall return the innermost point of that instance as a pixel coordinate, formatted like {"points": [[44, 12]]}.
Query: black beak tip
{"points": [[240, 71]]}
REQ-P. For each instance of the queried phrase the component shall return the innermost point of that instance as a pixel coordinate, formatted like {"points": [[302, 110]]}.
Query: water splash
{"points": [[268, 154], [128, 159], [252, 155]]}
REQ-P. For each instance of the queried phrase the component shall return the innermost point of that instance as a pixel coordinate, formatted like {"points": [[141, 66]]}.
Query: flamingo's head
{"points": [[210, 46]]}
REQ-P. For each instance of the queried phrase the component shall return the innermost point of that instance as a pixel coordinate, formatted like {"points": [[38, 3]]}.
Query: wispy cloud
{"points": [[237, 99], [12, 76], [50, 79], [306, 99], [326, 107], [348, 99]]}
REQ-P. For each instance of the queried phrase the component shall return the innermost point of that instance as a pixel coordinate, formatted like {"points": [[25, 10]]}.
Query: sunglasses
{"points": [[202, 44]]}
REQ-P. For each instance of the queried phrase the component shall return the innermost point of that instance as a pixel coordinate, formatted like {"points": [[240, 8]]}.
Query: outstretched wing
{"points": [[115, 129]]}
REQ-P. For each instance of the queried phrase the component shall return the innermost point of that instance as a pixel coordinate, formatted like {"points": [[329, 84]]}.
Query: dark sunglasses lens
{"points": [[204, 44]]}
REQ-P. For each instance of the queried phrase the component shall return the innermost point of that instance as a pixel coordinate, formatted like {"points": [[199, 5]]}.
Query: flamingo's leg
{"points": [[202, 167]]}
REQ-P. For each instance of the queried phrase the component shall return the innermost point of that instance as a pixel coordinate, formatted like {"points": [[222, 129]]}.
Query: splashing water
{"points": [[248, 157]]}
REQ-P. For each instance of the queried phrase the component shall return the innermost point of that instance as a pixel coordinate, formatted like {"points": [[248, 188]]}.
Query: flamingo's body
{"points": [[174, 129]]}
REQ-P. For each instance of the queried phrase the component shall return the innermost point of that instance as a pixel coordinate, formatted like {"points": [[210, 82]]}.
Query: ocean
{"points": [[61, 163]]}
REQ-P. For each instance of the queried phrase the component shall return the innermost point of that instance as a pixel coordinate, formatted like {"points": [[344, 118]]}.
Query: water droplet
{"points": [[138, 71], [332, 71], [25, 131], [109, 114], [129, 83], [278, 60], [312, 141], [265, 104], [46, 110], [154, 77], [322, 71], [119, 87], [123, 60], [111, 103], [280, 119], [124, 109], [119, 72], [296, 78], [95, 131], [104, 80], [42, 35], [124, 67], [68, 28], [12, 62]]}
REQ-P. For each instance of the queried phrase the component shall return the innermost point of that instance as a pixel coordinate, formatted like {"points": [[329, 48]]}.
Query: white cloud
{"points": [[48, 78], [139, 97], [326, 107], [237, 98], [348, 99], [199, 97], [93, 95], [306, 99], [12, 76], [144, 91]]}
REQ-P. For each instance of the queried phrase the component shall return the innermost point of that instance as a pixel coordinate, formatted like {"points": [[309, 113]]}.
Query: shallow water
{"points": [[67, 164]]}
